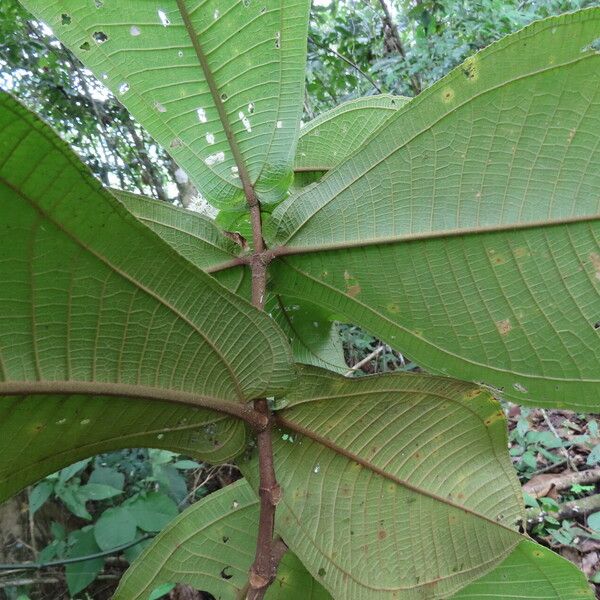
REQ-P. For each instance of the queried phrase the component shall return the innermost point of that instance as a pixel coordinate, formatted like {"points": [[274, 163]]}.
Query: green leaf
{"points": [[594, 521], [73, 499], [68, 472], [56, 431], [530, 572], [594, 456], [118, 318], [185, 465], [107, 476], [80, 574], [160, 591], [152, 511], [221, 529], [395, 485], [98, 491], [115, 527], [254, 59], [39, 494], [193, 235], [314, 339], [333, 136], [465, 232]]}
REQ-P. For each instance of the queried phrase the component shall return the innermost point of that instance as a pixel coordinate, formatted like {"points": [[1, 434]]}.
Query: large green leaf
{"points": [[210, 546], [531, 572], [40, 434], [193, 235], [314, 338], [332, 137], [93, 303], [161, 60], [395, 486], [466, 231]]}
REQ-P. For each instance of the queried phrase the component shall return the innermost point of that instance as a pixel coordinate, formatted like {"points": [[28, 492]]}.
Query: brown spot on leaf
{"points": [[381, 534], [503, 326], [353, 290], [473, 393], [493, 418], [521, 251]]}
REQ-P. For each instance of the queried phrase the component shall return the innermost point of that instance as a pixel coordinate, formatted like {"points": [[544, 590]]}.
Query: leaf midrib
{"points": [[125, 390], [128, 278], [285, 250], [404, 111], [281, 420]]}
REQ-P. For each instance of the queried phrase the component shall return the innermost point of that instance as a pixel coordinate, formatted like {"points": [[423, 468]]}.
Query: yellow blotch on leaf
{"points": [[493, 418]]}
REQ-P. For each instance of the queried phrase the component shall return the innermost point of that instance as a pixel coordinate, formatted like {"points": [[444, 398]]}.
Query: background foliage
{"points": [[356, 48]]}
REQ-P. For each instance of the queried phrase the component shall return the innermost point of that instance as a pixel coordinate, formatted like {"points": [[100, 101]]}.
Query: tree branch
{"points": [[388, 22]]}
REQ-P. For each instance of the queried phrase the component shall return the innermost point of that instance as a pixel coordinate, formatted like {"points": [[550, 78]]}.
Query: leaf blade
{"points": [[379, 468], [464, 216], [222, 528], [256, 61], [531, 571]]}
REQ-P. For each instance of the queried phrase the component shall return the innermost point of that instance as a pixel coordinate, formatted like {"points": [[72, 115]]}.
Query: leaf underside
{"points": [[314, 338], [93, 303], [395, 486], [211, 546], [255, 52], [332, 137], [531, 572], [466, 231], [42, 434]]}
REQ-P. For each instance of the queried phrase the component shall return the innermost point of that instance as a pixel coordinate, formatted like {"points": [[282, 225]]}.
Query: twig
{"points": [[27, 566], [562, 482], [347, 61], [568, 510], [365, 360], [31, 523], [48, 580], [263, 570]]}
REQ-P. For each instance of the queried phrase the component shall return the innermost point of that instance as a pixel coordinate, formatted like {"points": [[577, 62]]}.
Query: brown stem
{"points": [[263, 570]]}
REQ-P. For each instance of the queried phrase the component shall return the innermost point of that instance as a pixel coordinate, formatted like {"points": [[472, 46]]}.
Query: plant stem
{"points": [[264, 568]]}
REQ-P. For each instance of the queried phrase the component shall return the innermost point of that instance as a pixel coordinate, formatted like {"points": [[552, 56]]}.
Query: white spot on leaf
{"points": [[123, 88], [245, 121], [135, 31], [210, 138], [162, 15], [215, 159], [201, 115]]}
